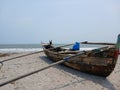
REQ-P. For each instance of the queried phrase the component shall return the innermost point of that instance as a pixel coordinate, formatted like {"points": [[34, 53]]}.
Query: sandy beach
{"points": [[58, 77]]}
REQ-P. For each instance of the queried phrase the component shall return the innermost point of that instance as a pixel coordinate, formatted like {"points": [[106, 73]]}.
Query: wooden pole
{"points": [[97, 43], [44, 68], [19, 56], [65, 45]]}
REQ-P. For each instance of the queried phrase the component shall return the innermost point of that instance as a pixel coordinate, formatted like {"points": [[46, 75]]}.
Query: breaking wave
{"points": [[19, 50]]}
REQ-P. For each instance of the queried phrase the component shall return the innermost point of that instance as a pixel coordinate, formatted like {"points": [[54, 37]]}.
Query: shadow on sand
{"points": [[104, 82]]}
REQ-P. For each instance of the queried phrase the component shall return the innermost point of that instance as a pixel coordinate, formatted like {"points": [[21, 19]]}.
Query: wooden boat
{"points": [[99, 61]]}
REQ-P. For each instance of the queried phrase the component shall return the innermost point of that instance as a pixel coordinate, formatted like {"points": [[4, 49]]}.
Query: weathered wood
{"points": [[100, 61]]}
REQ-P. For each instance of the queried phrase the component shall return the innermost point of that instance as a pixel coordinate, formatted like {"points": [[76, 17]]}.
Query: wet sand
{"points": [[58, 77]]}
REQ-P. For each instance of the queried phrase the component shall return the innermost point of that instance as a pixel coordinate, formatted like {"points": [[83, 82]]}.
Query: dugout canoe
{"points": [[100, 61]]}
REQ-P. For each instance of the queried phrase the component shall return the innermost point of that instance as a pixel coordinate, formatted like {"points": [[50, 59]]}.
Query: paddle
{"points": [[30, 73]]}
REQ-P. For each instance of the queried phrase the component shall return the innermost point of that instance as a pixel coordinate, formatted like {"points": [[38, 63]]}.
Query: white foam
{"points": [[19, 50]]}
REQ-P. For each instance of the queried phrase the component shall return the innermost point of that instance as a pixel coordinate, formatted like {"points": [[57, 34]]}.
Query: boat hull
{"points": [[92, 65]]}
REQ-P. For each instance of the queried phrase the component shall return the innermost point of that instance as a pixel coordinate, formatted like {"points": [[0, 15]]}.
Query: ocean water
{"points": [[16, 48]]}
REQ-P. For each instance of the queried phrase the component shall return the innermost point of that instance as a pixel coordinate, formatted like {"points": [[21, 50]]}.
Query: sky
{"points": [[62, 21]]}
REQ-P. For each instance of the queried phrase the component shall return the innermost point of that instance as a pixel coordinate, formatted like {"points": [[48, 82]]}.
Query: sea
{"points": [[18, 48]]}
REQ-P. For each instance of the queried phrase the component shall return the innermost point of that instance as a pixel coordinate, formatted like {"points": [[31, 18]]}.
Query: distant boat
{"points": [[100, 61]]}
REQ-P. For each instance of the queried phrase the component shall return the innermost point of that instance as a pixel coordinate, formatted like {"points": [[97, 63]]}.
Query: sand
{"points": [[58, 77]]}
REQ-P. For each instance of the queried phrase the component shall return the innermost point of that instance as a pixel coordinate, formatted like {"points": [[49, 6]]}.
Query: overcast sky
{"points": [[63, 21]]}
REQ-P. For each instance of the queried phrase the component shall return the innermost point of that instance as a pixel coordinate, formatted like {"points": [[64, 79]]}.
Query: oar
{"points": [[29, 54], [44, 68]]}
